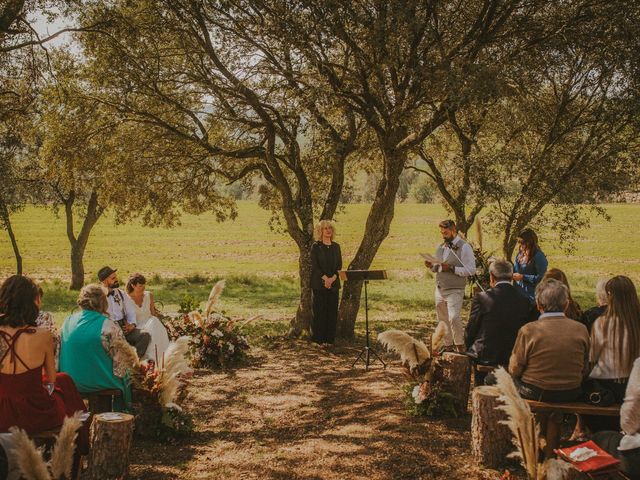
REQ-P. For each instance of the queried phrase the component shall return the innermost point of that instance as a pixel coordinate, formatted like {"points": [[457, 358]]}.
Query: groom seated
{"points": [[122, 311], [495, 318], [550, 356]]}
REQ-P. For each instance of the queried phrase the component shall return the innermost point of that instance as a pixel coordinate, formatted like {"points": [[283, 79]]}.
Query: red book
{"points": [[602, 460]]}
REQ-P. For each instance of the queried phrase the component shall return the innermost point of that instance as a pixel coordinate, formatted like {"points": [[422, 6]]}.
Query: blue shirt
{"points": [[532, 273]]}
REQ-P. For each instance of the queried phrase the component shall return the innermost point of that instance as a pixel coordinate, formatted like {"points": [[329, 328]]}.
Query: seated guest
{"points": [[88, 350], [122, 311], [147, 317], [45, 320], [626, 445], [589, 316], [27, 399], [573, 311], [550, 356], [496, 316], [615, 337]]}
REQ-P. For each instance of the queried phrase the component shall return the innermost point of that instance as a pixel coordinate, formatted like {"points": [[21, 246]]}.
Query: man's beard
{"points": [[115, 284]]}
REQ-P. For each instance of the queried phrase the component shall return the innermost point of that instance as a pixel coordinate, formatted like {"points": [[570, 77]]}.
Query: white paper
{"points": [[581, 454], [430, 258], [111, 416]]}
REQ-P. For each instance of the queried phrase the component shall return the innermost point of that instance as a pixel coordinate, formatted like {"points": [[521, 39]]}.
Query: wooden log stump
{"points": [[490, 440], [111, 435], [456, 376]]}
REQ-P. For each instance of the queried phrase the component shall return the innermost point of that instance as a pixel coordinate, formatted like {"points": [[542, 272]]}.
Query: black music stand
{"points": [[365, 275]]}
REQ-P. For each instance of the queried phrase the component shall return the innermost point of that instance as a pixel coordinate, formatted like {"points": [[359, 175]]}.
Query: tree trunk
{"points": [[302, 321], [14, 243], [376, 230], [110, 445], [79, 243], [490, 440], [456, 378], [77, 266]]}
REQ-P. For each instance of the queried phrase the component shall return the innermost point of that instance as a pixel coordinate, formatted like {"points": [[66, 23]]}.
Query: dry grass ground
{"points": [[298, 411]]}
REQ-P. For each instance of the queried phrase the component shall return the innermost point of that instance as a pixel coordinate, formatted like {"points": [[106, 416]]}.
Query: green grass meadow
{"points": [[261, 265]]}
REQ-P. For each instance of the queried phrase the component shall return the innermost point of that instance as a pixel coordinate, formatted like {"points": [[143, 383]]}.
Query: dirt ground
{"points": [[298, 411]]}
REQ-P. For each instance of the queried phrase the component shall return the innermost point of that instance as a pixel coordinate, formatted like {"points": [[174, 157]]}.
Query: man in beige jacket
{"points": [[551, 355]]}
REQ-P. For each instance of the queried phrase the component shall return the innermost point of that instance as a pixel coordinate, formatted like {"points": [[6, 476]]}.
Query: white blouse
{"points": [[630, 411], [604, 354]]}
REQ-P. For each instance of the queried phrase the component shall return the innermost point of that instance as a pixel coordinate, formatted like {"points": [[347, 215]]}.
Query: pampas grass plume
{"points": [[479, 232], [216, 291], [175, 366], [28, 457], [63, 450], [521, 422], [437, 339], [412, 352]]}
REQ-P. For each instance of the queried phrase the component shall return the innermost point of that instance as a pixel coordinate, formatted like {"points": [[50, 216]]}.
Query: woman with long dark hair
{"points": [[573, 310], [615, 337], [27, 400], [530, 264]]}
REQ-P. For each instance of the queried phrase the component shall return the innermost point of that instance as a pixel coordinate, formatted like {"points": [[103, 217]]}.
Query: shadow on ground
{"points": [[298, 411]]}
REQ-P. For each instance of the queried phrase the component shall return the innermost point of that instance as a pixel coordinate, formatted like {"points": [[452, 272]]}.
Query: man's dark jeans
{"points": [[531, 392], [138, 339]]}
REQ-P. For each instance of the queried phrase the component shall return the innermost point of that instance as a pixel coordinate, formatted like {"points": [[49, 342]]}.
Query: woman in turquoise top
{"points": [[87, 350], [530, 265]]}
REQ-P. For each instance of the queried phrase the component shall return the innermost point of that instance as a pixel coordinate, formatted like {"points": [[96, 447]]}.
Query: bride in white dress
{"points": [[146, 318]]}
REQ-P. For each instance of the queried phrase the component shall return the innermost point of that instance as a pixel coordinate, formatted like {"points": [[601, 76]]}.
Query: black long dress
{"points": [[325, 260]]}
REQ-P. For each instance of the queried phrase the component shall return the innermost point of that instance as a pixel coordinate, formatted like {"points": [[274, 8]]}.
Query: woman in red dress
{"points": [[27, 399]]}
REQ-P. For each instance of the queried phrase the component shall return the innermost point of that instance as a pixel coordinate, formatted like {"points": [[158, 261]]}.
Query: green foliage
{"points": [[189, 304], [176, 423], [437, 404]]}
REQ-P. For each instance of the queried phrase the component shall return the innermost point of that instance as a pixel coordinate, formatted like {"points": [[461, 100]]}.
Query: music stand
{"points": [[365, 275]]}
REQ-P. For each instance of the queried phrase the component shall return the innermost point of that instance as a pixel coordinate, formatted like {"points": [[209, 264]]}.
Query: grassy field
{"points": [[260, 265]]}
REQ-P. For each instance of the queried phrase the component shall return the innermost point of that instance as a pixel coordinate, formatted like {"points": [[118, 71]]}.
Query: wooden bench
{"points": [[101, 401], [553, 413]]}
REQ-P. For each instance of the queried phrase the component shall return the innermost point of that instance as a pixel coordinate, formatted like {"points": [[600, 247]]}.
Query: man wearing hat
{"points": [[123, 311]]}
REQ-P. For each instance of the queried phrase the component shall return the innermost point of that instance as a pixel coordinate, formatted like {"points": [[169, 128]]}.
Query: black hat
{"points": [[104, 272]]}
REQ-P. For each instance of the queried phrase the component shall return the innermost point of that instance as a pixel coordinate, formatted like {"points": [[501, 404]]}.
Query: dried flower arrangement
{"points": [[526, 432], [216, 340], [428, 397], [30, 459], [159, 389]]}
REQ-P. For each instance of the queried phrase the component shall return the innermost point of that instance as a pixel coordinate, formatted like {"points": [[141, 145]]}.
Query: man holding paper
{"points": [[453, 263]]}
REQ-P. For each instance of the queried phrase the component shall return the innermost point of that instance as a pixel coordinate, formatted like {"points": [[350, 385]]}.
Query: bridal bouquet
{"points": [[216, 340]]}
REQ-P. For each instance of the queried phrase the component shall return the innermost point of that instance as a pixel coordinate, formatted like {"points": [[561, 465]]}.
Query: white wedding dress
{"points": [[150, 324]]}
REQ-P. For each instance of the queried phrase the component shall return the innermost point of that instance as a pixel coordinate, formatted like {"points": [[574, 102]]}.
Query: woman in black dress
{"points": [[326, 260]]}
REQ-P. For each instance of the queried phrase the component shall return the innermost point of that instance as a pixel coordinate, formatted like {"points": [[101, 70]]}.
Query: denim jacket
{"points": [[532, 273]]}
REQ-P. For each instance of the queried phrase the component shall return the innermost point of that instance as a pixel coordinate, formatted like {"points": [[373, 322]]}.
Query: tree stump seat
{"points": [[552, 414], [101, 401], [111, 437], [490, 438]]}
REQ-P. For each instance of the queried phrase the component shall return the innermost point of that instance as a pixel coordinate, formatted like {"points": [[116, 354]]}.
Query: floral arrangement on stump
{"points": [[159, 388], [215, 340], [426, 393]]}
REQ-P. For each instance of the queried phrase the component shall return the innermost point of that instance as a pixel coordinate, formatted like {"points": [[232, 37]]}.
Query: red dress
{"points": [[25, 403]]}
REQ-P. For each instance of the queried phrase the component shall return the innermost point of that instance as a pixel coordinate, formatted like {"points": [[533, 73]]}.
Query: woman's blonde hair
{"points": [[93, 297], [317, 231]]}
